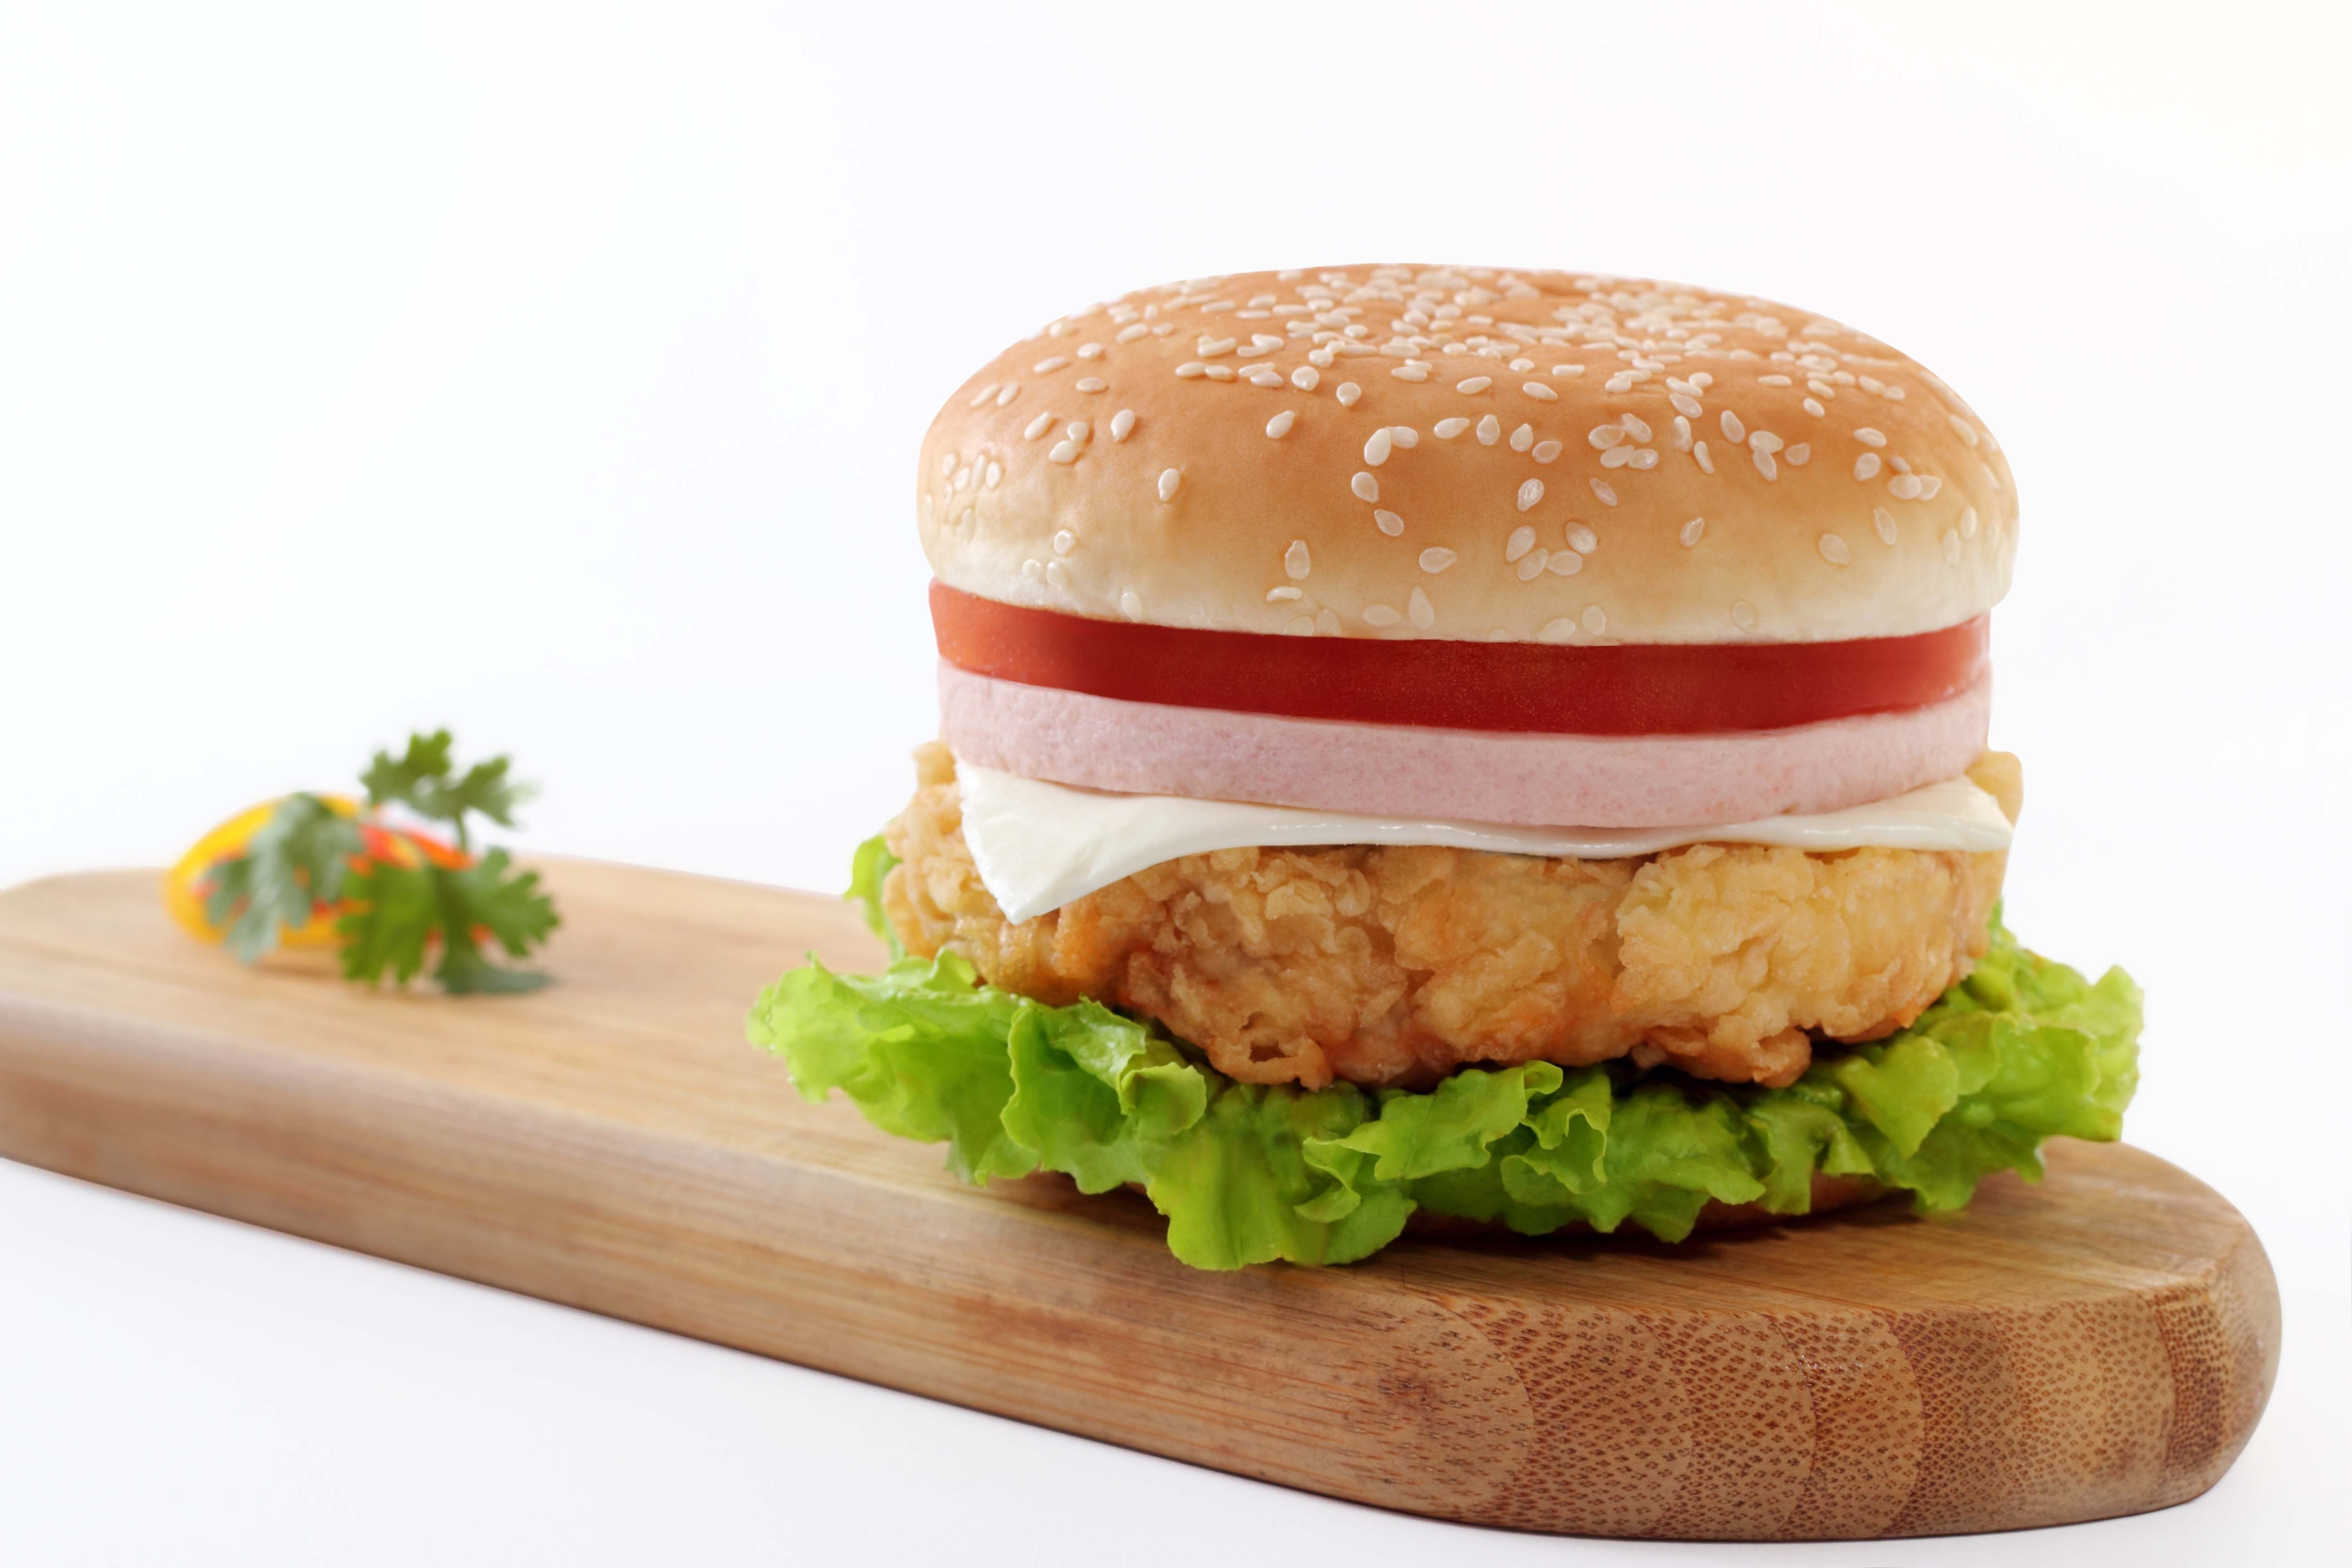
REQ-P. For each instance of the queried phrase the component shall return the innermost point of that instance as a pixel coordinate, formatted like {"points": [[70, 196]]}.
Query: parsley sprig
{"points": [[403, 898]]}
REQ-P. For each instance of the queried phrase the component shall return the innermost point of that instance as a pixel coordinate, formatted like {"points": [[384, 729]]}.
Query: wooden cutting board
{"points": [[2100, 1344]]}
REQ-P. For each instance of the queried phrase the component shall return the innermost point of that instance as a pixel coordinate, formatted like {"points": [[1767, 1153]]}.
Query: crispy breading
{"points": [[1386, 965]]}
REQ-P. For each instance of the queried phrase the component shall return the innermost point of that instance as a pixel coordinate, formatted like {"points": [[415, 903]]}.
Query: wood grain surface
{"points": [[2100, 1344]]}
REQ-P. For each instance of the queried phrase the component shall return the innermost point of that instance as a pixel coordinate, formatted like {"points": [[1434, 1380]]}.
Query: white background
{"points": [[558, 375]]}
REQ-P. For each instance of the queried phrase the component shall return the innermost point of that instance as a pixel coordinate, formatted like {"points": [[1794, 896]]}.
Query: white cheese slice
{"points": [[1037, 846]]}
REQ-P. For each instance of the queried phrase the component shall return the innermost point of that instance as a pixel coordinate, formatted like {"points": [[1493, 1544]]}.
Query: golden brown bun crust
{"points": [[1643, 463]]}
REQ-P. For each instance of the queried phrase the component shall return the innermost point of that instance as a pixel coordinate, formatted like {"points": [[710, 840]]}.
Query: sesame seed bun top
{"points": [[1469, 453]]}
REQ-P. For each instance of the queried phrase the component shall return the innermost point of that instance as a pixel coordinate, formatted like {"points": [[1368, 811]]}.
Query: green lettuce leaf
{"points": [[2023, 1050]]}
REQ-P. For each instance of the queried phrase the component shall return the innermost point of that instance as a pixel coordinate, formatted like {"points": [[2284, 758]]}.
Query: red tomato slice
{"points": [[1656, 688]]}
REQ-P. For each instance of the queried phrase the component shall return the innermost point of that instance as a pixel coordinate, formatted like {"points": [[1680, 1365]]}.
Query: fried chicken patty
{"points": [[1396, 965]]}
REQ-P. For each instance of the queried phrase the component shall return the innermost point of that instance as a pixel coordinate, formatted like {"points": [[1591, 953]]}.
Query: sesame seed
{"points": [[1833, 549], [1582, 540], [1962, 428], [1564, 564], [1595, 621], [1191, 369], [1904, 486], [1545, 451], [1928, 485], [1214, 348], [1532, 563], [947, 462], [1799, 454], [1866, 466], [1523, 438], [1047, 366], [1012, 390], [1169, 480], [1951, 546], [1539, 392], [1411, 373], [1869, 438], [1038, 426], [1743, 614], [1296, 560], [1900, 465], [1065, 541], [1446, 429], [1034, 569], [1120, 424], [1686, 405], [1522, 540], [1733, 430], [1692, 531], [1348, 393], [1218, 372], [1529, 493], [1968, 523], [1641, 459], [1437, 559], [1699, 455], [1301, 627], [1265, 375], [1608, 495], [1474, 384], [1601, 438], [1405, 436], [1422, 613], [995, 472], [1077, 430], [1776, 381], [1764, 463], [1092, 383], [1376, 450], [1057, 576], [1617, 457], [1570, 371], [1285, 594], [1129, 335], [1522, 366], [1130, 604], [1279, 426], [1883, 522], [1306, 378], [1682, 433], [1380, 615], [983, 395], [1366, 487], [1388, 522], [1814, 407], [1560, 630], [1490, 430], [1062, 452], [1763, 441]]}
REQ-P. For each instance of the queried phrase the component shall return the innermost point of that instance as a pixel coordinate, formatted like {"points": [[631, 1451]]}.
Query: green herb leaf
{"points": [[402, 909], [420, 780], [297, 862]]}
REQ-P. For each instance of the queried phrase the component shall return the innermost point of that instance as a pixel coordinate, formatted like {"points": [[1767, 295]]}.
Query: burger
{"points": [[1460, 746]]}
